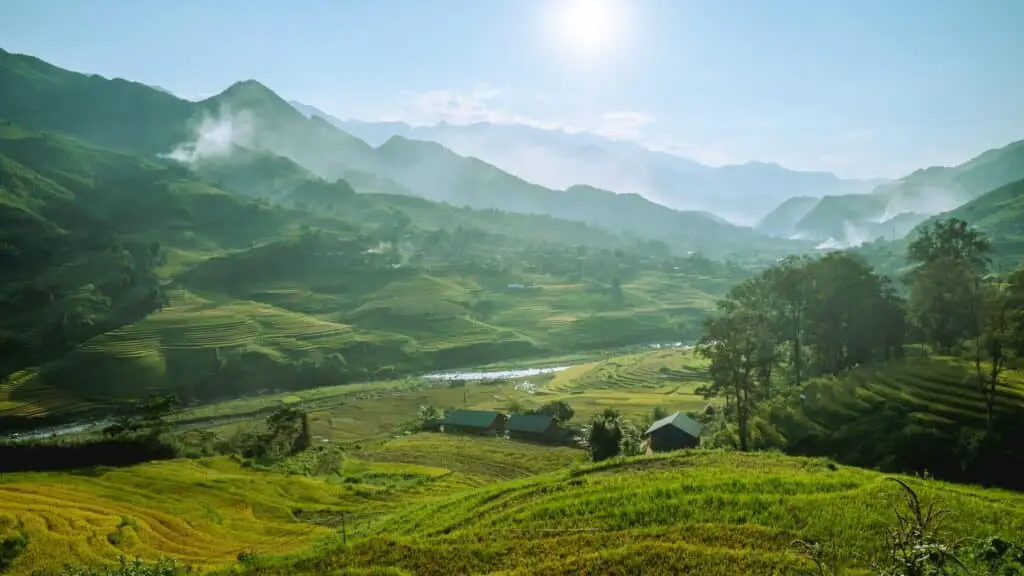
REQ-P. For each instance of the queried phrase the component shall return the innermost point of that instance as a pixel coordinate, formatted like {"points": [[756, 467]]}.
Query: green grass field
{"points": [[692, 513]]}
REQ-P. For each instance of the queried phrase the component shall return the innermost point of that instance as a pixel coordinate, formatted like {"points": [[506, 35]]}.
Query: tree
{"points": [[949, 259], [603, 435], [149, 417], [428, 413], [731, 344], [560, 410], [992, 336], [791, 284]]}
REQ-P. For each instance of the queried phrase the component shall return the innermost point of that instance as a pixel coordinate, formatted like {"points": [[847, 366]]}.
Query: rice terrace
{"points": [[475, 303]]}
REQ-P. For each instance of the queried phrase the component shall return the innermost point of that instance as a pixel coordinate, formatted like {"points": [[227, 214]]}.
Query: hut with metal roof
{"points": [[674, 432], [533, 427], [482, 422]]}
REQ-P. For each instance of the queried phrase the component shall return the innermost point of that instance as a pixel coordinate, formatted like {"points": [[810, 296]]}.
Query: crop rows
{"points": [[203, 516]]}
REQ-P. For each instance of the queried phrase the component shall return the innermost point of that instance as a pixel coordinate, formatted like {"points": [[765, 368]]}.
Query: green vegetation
{"points": [[706, 513], [293, 289]]}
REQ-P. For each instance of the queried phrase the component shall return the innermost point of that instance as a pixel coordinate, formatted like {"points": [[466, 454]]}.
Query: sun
{"points": [[587, 28]]}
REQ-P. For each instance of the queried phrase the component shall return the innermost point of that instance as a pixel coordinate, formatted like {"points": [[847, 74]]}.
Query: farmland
{"points": [[707, 513], [490, 505]]}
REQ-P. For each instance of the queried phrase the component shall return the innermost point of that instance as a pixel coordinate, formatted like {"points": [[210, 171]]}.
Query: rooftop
{"points": [[680, 421]]}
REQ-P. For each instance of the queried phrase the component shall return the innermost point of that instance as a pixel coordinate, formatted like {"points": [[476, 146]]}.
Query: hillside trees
{"points": [[831, 314], [950, 260]]}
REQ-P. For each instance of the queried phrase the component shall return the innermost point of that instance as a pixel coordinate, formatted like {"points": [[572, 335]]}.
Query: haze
{"points": [[864, 89]]}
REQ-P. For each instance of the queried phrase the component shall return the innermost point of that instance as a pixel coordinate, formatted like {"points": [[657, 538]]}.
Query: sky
{"points": [[863, 88]]}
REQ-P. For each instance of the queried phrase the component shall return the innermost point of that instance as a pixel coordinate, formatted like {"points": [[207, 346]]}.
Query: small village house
{"points": [[482, 422], [674, 432], [534, 428]]}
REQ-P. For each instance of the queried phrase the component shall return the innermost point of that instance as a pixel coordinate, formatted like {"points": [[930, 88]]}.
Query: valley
{"points": [[241, 336]]}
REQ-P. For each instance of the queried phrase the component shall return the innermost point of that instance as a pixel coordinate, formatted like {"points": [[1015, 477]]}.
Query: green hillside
{"points": [[783, 219], [149, 280], [694, 513], [998, 213], [939, 189]]}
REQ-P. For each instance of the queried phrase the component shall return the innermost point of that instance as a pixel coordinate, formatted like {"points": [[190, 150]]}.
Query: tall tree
{"points": [[740, 343], [791, 284], [949, 260], [993, 338]]}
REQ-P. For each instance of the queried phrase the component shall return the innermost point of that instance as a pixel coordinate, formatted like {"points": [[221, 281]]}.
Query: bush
{"points": [[11, 546]]}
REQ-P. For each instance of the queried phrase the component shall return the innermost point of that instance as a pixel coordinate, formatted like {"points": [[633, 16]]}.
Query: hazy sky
{"points": [[859, 87]]}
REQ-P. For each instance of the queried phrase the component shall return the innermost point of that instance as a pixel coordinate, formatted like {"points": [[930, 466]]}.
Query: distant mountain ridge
{"points": [[557, 159], [135, 118], [895, 208]]}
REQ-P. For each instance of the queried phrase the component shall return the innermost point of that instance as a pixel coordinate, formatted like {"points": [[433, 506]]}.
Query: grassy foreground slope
{"points": [[686, 513], [205, 512]]}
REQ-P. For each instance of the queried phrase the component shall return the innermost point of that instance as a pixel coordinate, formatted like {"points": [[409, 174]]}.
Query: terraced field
{"points": [[938, 391], [205, 512], [703, 513], [634, 384], [477, 461]]}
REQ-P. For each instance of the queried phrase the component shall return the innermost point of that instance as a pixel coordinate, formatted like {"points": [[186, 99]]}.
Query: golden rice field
{"points": [[205, 512]]}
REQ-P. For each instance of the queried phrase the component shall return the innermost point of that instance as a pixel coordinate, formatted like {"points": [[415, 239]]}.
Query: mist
{"points": [[215, 136]]}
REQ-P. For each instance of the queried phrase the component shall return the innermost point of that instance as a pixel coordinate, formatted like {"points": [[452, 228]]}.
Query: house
{"points": [[482, 422], [533, 427], [674, 432]]}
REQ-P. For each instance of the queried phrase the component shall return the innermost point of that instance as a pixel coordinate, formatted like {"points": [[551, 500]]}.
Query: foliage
{"points": [[608, 434], [13, 541], [949, 259], [560, 410], [148, 418], [126, 567], [287, 432]]}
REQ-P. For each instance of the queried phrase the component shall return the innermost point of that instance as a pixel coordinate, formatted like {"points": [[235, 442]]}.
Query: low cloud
{"points": [[483, 103], [215, 136], [626, 125]]}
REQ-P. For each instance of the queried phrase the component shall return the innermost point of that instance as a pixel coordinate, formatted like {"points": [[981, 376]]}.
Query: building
{"points": [[482, 422], [533, 427], [674, 432]]}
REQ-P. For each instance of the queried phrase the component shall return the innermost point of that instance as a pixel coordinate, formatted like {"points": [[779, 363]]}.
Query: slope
{"points": [[430, 170], [927, 192], [687, 513], [999, 214], [783, 219]]}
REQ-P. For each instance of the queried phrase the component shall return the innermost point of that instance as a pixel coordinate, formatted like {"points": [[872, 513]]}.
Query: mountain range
{"points": [[251, 141], [558, 159], [893, 209], [139, 119]]}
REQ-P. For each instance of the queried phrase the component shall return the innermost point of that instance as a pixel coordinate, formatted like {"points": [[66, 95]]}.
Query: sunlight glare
{"points": [[588, 28]]}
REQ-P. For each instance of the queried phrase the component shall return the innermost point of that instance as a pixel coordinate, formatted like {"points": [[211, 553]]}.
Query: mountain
{"points": [[250, 120], [558, 159], [896, 207], [1000, 215], [431, 170], [782, 220]]}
